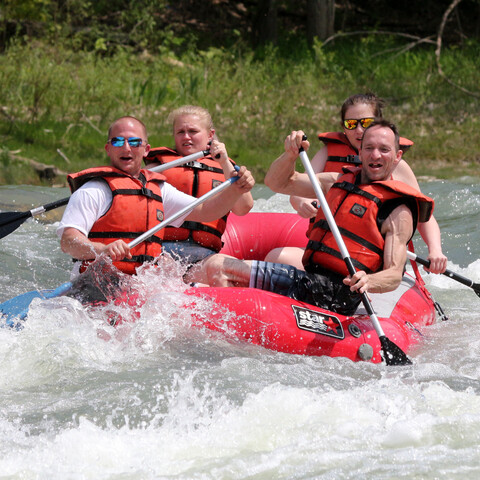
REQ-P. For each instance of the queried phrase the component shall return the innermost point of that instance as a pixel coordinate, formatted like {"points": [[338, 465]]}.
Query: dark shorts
{"points": [[324, 290], [187, 252]]}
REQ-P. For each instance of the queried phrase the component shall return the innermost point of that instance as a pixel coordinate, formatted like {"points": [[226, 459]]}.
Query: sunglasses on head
{"points": [[352, 123], [120, 141]]}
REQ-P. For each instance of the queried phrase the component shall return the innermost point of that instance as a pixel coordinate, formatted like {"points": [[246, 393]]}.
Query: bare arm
{"points": [[282, 176], [245, 202], [397, 228], [77, 245], [219, 205], [429, 231], [303, 205], [243, 205]]}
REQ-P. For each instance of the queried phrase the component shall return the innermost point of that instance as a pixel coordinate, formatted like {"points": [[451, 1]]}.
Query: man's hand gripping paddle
{"points": [[392, 354]]}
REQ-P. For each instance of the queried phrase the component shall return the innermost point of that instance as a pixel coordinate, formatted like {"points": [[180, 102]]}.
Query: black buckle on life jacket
{"points": [[140, 259], [202, 166], [353, 159], [146, 192], [347, 186]]}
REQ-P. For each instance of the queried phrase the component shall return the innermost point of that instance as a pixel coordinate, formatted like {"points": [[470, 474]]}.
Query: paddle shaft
{"points": [[180, 161], [12, 217], [393, 354], [336, 233], [183, 211], [448, 273], [10, 221], [18, 306]]}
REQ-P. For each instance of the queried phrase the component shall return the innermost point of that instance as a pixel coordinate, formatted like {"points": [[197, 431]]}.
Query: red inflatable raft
{"points": [[282, 324]]}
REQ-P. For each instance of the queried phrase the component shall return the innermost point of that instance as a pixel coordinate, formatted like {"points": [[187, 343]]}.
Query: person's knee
{"points": [[274, 255], [286, 255]]}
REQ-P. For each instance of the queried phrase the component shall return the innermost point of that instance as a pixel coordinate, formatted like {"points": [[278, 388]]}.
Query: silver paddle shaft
{"points": [[323, 201], [336, 233], [183, 211], [180, 161]]}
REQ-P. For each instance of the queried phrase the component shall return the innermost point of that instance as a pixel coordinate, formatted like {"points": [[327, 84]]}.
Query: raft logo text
{"points": [[318, 322]]}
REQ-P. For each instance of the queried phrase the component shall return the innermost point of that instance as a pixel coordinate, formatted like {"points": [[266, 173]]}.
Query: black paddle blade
{"points": [[10, 221], [393, 354], [476, 288]]}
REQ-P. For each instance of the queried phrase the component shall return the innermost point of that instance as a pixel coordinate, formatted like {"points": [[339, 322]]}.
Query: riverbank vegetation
{"points": [[56, 101]]}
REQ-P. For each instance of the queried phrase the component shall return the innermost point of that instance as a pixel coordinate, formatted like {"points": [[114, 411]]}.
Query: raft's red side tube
{"points": [[252, 236]]}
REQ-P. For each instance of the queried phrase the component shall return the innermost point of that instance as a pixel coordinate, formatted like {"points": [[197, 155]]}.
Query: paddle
{"points": [[17, 307], [10, 221], [184, 210], [448, 273], [393, 354]]}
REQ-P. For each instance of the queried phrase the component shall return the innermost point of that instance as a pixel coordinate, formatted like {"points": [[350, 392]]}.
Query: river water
{"points": [[159, 400]]}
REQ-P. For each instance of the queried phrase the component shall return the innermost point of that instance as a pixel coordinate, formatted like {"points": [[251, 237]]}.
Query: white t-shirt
{"points": [[93, 199]]}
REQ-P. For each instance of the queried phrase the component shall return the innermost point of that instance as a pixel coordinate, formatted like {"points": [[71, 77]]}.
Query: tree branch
{"points": [[439, 48], [406, 48], [379, 32], [91, 124]]}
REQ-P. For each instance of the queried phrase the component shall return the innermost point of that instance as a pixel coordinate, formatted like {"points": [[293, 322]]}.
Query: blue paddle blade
{"points": [[16, 308]]}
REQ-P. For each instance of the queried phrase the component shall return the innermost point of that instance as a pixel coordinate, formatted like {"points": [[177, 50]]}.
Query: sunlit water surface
{"points": [[157, 399]]}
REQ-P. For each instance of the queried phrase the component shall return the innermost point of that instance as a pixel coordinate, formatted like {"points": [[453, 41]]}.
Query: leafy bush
{"points": [[58, 98]]}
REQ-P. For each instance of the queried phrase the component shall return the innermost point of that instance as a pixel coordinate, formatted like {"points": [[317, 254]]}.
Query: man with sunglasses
{"points": [[110, 206], [376, 215]]}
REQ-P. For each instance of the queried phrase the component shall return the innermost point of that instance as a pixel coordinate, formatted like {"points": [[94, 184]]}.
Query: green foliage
{"points": [[38, 10], [161, 26], [58, 98]]}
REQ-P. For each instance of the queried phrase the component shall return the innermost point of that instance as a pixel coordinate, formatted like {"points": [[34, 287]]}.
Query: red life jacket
{"points": [[342, 154], [195, 178], [136, 207], [359, 211]]}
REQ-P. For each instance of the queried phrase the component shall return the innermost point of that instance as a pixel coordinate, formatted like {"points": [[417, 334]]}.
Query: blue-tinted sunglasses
{"points": [[120, 141]]}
